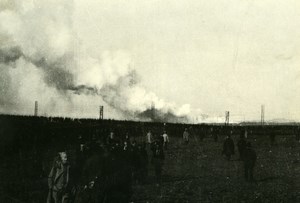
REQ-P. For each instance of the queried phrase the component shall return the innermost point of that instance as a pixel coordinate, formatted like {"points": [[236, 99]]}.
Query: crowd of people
{"points": [[106, 171]]}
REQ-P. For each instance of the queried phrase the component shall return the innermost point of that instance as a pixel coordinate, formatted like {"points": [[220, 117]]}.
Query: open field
{"points": [[196, 172]]}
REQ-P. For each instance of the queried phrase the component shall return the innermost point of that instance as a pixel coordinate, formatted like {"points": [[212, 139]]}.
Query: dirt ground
{"points": [[197, 172]]}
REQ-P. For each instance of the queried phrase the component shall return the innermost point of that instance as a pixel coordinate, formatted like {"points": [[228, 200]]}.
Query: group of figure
{"points": [[105, 172], [246, 153]]}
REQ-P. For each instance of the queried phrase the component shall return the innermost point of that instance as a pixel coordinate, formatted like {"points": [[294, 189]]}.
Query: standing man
{"points": [[166, 140], [149, 139], [228, 147], [186, 136], [249, 162], [246, 133], [58, 180]]}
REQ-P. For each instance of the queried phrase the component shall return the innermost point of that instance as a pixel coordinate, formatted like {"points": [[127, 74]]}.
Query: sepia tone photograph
{"points": [[149, 101]]}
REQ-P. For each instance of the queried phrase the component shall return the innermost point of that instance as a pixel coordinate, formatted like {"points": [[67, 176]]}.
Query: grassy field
{"points": [[197, 172]]}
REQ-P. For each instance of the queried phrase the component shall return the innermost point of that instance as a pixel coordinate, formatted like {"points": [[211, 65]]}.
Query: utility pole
{"points": [[101, 108], [262, 115], [36, 108], [226, 118]]}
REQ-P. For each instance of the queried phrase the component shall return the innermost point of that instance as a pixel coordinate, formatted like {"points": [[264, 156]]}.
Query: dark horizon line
{"points": [[253, 122]]}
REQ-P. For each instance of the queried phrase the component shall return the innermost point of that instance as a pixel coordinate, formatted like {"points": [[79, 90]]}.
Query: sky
{"points": [[194, 58]]}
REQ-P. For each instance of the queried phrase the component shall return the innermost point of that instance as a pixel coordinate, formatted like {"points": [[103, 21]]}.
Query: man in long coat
{"points": [[228, 147], [59, 180]]}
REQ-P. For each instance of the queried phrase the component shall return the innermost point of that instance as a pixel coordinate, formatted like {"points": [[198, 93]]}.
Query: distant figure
{"points": [[158, 160], [125, 145], [58, 180], [249, 162], [127, 138], [186, 136], [149, 139], [246, 134], [166, 140], [111, 139], [160, 139], [228, 147], [242, 145]]}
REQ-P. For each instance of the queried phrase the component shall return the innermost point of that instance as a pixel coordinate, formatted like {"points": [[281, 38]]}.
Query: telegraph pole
{"points": [[101, 109], [226, 118], [262, 115], [36, 108]]}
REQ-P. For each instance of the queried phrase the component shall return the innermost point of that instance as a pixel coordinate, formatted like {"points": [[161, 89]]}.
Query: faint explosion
{"points": [[38, 58]]}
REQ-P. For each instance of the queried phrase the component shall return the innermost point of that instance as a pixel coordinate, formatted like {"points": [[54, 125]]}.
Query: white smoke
{"points": [[39, 60]]}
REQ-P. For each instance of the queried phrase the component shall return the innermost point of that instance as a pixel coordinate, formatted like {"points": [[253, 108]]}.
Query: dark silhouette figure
{"points": [[228, 147], [249, 162], [158, 159], [242, 146]]}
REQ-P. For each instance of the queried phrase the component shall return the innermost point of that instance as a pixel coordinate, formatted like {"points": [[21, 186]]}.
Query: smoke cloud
{"points": [[39, 60]]}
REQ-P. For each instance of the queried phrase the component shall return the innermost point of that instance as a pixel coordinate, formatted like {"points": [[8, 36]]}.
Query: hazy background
{"points": [[194, 58]]}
